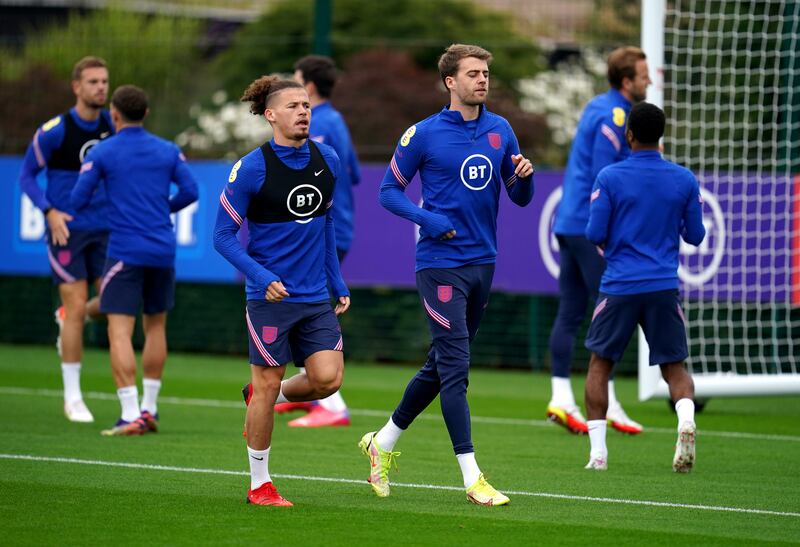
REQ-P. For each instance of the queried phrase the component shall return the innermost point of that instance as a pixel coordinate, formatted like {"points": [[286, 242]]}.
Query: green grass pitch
{"points": [[62, 483]]}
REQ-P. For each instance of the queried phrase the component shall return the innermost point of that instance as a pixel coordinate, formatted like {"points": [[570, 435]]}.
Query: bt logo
{"points": [[697, 265], [303, 201], [476, 172]]}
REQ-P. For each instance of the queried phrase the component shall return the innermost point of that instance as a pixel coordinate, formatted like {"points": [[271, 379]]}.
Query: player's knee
{"points": [[327, 383]]}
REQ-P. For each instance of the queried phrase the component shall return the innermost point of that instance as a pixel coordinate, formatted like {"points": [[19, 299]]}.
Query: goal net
{"points": [[731, 94]]}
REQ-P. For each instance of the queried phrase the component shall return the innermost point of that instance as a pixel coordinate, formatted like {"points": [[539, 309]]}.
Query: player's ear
{"points": [[449, 82], [269, 115], [629, 137]]}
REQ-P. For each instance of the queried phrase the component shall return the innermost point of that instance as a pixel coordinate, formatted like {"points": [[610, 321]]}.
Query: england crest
{"points": [[494, 140], [444, 293], [269, 334], [64, 257]]}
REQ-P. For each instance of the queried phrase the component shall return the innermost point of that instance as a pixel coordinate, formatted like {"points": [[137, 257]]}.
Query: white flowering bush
{"points": [[560, 96], [226, 130]]}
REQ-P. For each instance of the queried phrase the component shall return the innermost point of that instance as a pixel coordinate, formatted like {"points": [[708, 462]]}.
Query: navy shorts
{"points": [[125, 289], [660, 316], [83, 257], [280, 332]]}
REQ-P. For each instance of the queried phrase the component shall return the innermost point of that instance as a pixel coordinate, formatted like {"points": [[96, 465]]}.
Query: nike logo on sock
{"points": [[259, 459], [316, 173]]}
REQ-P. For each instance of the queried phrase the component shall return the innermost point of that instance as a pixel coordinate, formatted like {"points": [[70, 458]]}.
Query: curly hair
{"points": [[261, 90]]}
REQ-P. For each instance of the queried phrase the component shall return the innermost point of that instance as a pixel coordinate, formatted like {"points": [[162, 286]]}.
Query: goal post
{"points": [[727, 74]]}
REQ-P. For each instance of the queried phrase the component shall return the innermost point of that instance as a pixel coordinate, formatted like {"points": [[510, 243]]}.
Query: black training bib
{"points": [[77, 143], [292, 194]]}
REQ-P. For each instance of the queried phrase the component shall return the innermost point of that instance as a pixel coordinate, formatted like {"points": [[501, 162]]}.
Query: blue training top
{"points": [[49, 141], [599, 141], [328, 127], [299, 253], [639, 209], [462, 166], [137, 169]]}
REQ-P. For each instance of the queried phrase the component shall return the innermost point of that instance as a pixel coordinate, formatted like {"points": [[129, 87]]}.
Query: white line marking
{"points": [[215, 403], [152, 467]]}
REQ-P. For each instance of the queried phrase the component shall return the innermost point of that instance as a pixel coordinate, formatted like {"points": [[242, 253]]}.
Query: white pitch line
{"points": [[216, 403], [647, 503]]}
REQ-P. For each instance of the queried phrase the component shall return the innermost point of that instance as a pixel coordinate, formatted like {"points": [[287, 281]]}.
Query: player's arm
{"points": [[89, 178], [404, 165], [608, 146], [187, 186], [517, 172], [233, 203], [693, 230], [46, 139], [332, 267], [599, 212]]}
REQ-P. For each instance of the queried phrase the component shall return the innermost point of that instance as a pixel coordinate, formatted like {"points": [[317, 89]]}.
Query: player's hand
{"points": [[449, 235], [342, 305], [57, 222], [276, 292], [523, 166]]}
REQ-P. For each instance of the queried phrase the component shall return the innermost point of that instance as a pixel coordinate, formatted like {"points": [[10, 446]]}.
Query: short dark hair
{"points": [[131, 102], [448, 62], [646, 121], [622, 64], [261, 90], [83, 64], [320, 70]]}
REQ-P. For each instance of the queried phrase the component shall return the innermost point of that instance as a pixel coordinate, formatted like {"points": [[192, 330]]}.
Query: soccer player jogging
{"points": [[284, 190], [464, 155], [318, 76], [640, 208], [136, 169], [599, 141], [76, 244]]}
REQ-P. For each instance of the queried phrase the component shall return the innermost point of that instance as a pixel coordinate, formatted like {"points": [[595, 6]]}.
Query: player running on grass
{"points": [[318, 76], [599, 141], [640, 208], [284, 190], [465, 155], [76, 244], [136, 170]]}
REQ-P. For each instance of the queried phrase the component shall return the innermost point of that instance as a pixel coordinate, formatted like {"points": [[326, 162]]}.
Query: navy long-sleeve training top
{"points": [[640, 208], [136, 169]]}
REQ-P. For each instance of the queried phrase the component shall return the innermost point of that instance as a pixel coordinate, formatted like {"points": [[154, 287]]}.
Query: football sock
{"points": [[71, 373], [151, 387], [129, 401], [333, 403], [281, 397], [259, 467], [597, 439], [612, 395], [685, 410], [562, 392], [469, 468], [387, 437]]}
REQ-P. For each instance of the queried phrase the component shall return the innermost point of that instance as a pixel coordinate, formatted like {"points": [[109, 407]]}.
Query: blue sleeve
{"points": [[608, 146], [693, 230], [332, 267], [599, 212], [91, 174], [233, 203], [46, 139], [404, 165], [187, 186], [520, 190]]}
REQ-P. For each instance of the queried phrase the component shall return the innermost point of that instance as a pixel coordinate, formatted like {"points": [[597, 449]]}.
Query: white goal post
{"points": [[727, 74]]}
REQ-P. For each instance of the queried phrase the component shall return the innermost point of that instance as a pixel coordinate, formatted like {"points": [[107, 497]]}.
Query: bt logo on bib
{"points": [[304, 200], [476, 172]]}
